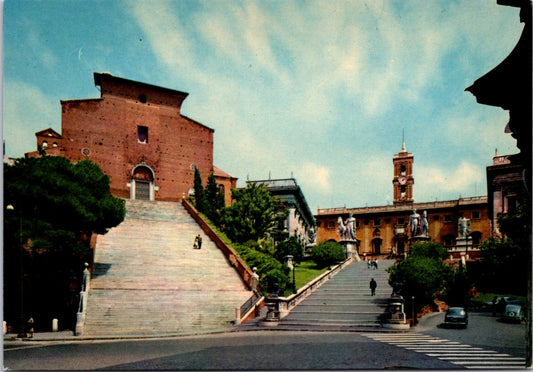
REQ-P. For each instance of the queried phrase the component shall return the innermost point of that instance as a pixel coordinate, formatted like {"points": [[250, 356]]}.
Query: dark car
{"points": [[456, 316]]}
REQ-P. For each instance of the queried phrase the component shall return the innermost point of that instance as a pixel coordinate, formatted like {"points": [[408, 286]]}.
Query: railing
{"points": [[286, 304], [250, 309]]}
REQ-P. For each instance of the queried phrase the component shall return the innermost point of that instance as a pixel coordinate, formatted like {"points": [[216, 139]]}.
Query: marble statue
{"points": [[463, 227], [414, 223], [424, 224], [347, 229]]}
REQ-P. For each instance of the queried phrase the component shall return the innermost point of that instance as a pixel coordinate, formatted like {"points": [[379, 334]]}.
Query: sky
{"points": [[316, 90]]}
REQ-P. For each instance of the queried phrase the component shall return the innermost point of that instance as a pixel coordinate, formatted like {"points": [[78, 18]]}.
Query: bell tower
{"points": [[403, 181]]}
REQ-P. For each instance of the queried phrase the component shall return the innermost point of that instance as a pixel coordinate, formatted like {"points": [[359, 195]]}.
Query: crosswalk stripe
{"points": [[454, 352]]}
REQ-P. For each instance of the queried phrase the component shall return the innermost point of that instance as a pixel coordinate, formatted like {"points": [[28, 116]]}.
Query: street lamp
{"points": [[413, 309], [22, 330]]}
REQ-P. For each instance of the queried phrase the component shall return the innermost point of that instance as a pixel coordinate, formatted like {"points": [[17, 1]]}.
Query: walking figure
{"points": [[375, 264], [199, 242], [373, 286], [195, 245]]}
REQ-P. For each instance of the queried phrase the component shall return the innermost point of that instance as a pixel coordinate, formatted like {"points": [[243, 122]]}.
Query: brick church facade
{"points": [[136, 133], [384, 230]]}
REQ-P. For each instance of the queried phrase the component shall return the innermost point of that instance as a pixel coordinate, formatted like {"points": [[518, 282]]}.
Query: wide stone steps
{"points": [[345, 301], [148, 280]]}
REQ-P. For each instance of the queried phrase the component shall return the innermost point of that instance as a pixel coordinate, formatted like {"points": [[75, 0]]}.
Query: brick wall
{"points": [[106, 131]]}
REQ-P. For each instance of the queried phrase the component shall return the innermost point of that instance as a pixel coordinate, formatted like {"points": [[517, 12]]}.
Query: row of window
{"points": [[447, 218]]}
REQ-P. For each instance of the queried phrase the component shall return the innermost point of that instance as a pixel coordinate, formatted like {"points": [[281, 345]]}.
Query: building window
{"points": [[403, 170], [331, 225], [401, 221], [377, 222], [142, 98], [142, 134], [436, 218], [476, 215], [45, 144], [54, 144], [447, 218]]}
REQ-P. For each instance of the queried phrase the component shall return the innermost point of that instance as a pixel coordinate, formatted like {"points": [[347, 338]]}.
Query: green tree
{"points": [[199, 192], [421, 274], [428, 249], [504, 266], [253, 214], [327, 253], [54, 207], [292, 247], [214, 200]]}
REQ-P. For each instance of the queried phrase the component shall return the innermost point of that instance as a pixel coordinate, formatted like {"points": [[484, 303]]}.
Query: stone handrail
{"points": [[286, 304], [250, 309], [240, 266]]}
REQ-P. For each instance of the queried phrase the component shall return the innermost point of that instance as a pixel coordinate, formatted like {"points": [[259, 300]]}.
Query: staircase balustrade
{"points": [[82, 308], [284, 305]]}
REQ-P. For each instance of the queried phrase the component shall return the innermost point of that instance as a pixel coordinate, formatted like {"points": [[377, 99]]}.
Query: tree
{"points": [[327, 253], [428, 249], [214, 200], [55, 206], [291, 247], [253, 214], [199, 192], [421, 274]]}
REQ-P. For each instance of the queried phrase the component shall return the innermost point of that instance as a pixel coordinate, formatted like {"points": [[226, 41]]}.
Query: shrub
{"points": [[327, 253]]}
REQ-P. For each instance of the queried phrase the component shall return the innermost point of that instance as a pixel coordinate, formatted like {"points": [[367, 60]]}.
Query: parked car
{"points": [[513, 313], [456, 316]]}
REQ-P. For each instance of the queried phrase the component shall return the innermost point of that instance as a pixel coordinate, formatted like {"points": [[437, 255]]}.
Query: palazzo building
{"points": [[384, 230], [137, 135], [300, 222]]}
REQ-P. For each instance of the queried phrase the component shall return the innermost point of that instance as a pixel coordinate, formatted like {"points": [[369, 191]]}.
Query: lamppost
{"points": [[413, 309], [22, 328]]}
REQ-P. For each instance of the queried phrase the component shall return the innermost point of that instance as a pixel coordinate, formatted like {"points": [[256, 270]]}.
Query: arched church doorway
{"points": [[142, 183]]}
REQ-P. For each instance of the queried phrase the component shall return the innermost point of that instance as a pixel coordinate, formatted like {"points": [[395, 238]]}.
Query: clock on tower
{"points": [[403, 180]]}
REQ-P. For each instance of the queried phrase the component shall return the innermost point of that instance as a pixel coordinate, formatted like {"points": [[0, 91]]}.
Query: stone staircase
{"points": [[345, 301], [148, 280]]}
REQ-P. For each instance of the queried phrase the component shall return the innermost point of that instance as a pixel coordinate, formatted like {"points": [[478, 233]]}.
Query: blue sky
{"points": [[320, 90]]}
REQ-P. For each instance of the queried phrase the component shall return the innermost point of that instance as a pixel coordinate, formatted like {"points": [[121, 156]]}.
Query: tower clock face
{"points": [[402, 180]]}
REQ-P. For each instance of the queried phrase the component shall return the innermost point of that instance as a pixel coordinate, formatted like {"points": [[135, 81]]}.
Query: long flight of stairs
{"points": [[148, 280], [345, 301]]}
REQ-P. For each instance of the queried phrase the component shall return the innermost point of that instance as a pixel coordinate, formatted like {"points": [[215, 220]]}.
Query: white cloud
{"points": [[315, 177], [25, 106], [462, 180]]}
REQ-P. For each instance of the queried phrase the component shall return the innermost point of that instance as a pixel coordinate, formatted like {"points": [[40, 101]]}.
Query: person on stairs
{"points": [[199, 241], [196, 242], [373, 286]]}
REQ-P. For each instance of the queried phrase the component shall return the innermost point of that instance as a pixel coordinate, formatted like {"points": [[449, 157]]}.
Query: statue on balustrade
{"points": [[463, 227], [414, 223], [347, 230]]}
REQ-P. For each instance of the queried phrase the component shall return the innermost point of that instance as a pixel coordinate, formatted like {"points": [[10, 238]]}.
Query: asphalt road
{"points": [[272, 350], [484, 330]]}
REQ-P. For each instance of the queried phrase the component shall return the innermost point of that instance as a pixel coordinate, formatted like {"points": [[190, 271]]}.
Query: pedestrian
{"points": [[199, 242], [373, 286], [30, 327], [196, 241], [375, 264], [368, 264], [494, 305]]}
